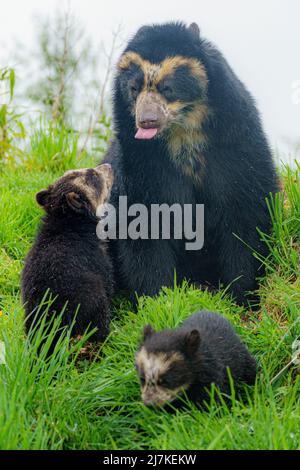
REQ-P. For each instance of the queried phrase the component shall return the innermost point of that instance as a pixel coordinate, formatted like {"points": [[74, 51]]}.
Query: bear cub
{"points": [[190, 359], [67, 258]]}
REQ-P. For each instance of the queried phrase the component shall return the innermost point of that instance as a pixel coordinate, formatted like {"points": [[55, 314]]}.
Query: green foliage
{"points": [[7, 74], [60, 403], [11, 126], [283, 243], [66, 402], [102, 133], [52, 146], [64, 54]]}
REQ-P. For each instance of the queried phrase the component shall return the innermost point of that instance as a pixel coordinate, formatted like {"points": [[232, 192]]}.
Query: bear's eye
{"points": [[167, 91], [162, 382], [134, 90], [170, 379], [142, 380]]}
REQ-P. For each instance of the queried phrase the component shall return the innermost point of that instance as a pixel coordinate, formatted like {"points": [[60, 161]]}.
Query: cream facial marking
{"points": [[78, 179], [154, 73], [153, 367], [156, 395], [180, 127], [149, 101]]}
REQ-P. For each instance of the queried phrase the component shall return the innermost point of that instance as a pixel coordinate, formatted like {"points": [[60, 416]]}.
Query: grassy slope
{"points": [[97, 406]]}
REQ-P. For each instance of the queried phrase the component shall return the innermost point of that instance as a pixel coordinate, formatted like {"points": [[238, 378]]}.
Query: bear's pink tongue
{"points": [[146, 133]]}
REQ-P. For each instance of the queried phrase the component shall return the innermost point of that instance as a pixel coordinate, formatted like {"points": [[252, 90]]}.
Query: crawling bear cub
{"points": [[68, 258], [190, 359]]}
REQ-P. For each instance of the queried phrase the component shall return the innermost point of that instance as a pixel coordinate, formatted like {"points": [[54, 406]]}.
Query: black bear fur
{"points": [[67, 257], [238, 175]]}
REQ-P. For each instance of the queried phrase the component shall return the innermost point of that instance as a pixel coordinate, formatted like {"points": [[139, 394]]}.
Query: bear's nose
{"points": [[148, 121]]}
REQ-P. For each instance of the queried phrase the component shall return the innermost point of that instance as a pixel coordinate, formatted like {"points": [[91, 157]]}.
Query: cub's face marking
{"points": [[95, 183], [171, 97], [83, 189], [152, 369]]}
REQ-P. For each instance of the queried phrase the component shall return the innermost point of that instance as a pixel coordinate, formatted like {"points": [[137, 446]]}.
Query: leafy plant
{"points": [[11, 127], [52, 145]]}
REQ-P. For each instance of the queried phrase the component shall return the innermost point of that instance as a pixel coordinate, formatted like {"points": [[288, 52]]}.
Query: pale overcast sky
{"points": [[260, 39]]}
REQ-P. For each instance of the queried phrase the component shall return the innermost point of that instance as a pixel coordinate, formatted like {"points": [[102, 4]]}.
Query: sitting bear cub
{"points": [[68, 258]]}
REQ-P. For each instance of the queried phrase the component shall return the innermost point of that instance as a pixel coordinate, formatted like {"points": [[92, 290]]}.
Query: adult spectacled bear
{"points": [[187, 131]]}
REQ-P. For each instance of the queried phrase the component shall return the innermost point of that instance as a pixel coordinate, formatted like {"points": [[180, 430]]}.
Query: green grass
{"points": [[63, 403]]}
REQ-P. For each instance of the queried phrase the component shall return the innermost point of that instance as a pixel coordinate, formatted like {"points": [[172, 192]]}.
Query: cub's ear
{"points": [[43, 197], [191, 342], [76, 203], [148, 331], [194, 28]]}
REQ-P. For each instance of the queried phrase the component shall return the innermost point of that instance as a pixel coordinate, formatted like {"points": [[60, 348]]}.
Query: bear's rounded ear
{"points": [[195, 30], [148, 331], [75, 202], [142, 29], [191, 342], [43, 197]]}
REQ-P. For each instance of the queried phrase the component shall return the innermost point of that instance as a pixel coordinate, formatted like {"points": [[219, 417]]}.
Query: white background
{"points": [[260, 39]]}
